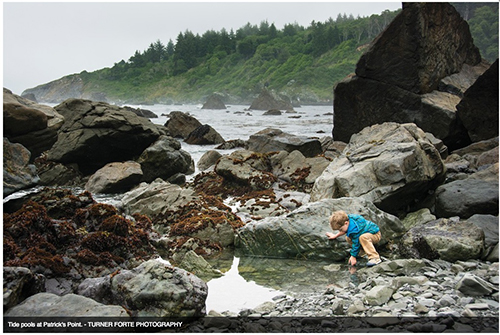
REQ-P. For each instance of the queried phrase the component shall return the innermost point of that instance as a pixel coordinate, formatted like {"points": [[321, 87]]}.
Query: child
{"points": [[360, 232]]}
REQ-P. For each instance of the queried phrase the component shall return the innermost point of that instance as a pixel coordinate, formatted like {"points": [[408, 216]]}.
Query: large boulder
{"points": [[478, 110], [467, 197], [447, 239], [204, 134], [115, 177], [269, 140], [181, 124], [164, 159], [156, 198], [392, 165], [297, 169], [70, 305], [301, 233], [33, 125], [239, 167], [96, 133], [266, 101], [18, 174], [424, 44], [157, 289], [214, 102]]}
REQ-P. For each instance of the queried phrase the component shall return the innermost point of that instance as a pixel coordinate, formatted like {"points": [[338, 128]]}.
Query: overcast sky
{"points": [[45, 41]]}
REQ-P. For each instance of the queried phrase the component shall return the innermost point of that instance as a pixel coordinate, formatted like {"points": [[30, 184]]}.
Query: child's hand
{"points": [[331, 236], [352, 261]]}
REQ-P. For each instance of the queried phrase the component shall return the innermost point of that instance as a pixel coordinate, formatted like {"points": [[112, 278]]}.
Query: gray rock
{"points": [[417, 218], [467, 197], [204, 134], [20, 125], [181, 124], [378, 295], [156, 198], [96, 288], [199, 266], [266, 101], [269, 140], [19, 284], [208, 159], [164, 159], [18, 174], [214, 101], [474, 286], [115, 177], [160, 290], [96, 133], [69, 305], [392, 165], [446, 239], [301, 233], [242, 172]]}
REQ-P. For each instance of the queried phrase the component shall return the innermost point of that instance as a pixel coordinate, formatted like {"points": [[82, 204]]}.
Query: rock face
{"points": [[398, 78], [164, 159], [115, 177], [392, 165], [270, 139], [96, 133], [478, 110], [266, 101], [301, 233], [33, 125], [19, 284], [214, 102], [447, 239], [18, 174]]}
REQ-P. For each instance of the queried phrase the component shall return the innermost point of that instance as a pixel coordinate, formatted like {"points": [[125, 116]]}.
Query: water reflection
{"points": [[251, 281], [234, 293]]}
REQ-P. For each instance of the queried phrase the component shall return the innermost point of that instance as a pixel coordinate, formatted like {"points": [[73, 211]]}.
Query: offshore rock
{"points": [[214, 102], [96, 133], [301, 233], [269, 140], [204, 134], [18, 174], [392, 165], [266, 101], [423, 45], [181, 124]]}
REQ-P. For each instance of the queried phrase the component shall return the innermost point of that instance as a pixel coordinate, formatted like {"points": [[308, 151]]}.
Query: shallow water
{"points": [[250, 281]]}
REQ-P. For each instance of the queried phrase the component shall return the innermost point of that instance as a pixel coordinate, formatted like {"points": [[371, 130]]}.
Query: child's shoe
{"points": [[373, 262]]}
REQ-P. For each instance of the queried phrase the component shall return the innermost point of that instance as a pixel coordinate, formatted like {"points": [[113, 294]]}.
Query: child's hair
{"points": [[338, 219]]}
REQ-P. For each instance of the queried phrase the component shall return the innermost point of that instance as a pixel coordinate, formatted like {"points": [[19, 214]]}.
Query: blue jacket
{"points": [[358, 226]]}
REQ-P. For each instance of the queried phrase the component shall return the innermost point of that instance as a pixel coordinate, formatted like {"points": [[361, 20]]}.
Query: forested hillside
{"points": [[303, 63]]}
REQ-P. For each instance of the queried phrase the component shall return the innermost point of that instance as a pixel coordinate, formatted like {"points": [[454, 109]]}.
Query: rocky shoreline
{"points": [[435, 199]]}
